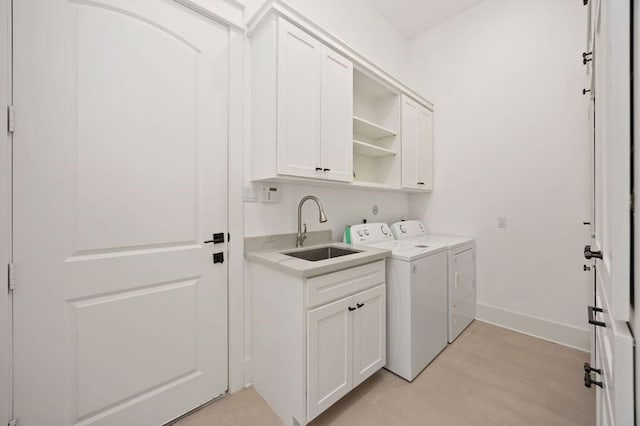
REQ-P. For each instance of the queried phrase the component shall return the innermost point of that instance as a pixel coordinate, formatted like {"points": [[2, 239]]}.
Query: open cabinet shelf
{"points": [[372, 131], [370, 150]]}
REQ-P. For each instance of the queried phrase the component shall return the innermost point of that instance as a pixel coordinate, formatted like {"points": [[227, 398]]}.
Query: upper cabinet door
{"points": [[417, 146], [424, 148], [298, 102], [409, 140], [336, 116]]}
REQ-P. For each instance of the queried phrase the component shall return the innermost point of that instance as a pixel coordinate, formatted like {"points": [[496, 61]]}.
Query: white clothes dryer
{"points": [[461, 271]]}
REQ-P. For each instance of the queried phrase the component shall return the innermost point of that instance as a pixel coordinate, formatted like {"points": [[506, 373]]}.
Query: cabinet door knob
{"points": [[318, 169], [420, 183], [327, 170]]}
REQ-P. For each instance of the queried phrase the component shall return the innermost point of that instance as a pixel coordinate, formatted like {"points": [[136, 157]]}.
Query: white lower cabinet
{"points": [[345, 345], [315, 339]]}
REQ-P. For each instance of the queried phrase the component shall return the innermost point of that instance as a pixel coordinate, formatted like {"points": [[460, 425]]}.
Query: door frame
{"points": [[231, 14], [6, 349]]}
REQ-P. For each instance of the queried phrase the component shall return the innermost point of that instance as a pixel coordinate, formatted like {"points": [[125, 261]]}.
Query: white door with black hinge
{"points": [[120, 174], [610, 248]]}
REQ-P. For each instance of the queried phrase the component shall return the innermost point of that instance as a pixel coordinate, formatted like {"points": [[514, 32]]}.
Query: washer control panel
{"points": [[408, 229], [367, 233]]}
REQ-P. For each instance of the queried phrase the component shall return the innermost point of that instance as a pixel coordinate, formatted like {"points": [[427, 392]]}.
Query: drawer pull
{"points": [[591, 314], [359, 305], [351, 309], [588, 381]]}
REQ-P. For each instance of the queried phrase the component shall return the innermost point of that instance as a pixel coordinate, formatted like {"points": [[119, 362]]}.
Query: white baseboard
{"points": [[562, 334]]}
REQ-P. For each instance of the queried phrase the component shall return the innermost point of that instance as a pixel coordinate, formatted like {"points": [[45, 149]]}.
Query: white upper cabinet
{"points": [[302, 101], [336, 121], [417, 146], [321, 111], [298, 102]]}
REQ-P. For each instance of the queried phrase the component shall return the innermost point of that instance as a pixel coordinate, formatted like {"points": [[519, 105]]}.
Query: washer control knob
{"points": [[366, 232]]}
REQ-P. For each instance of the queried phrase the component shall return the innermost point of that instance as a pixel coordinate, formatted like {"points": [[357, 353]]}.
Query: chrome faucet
{"points": [[302, 235]]}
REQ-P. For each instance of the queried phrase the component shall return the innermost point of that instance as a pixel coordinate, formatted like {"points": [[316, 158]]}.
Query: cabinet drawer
{"points": [[335, 285]]}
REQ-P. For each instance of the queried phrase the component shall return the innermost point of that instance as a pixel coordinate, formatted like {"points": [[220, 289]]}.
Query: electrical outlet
{"points": [[502, 223]]}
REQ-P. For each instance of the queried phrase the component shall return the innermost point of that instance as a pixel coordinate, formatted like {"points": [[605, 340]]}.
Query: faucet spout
{"points": [[302, 235]]}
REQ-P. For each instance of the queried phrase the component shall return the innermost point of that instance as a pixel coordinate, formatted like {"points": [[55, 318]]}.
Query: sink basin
{"points": [[321, 253]]}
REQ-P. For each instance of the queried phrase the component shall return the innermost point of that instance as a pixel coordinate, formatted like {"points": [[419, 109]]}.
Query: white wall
{"points": [[511, 140], [359, 25], [343, 207]]}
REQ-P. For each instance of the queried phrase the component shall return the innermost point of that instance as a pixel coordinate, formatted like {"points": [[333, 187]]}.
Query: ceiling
{"points": [[413, 17]]}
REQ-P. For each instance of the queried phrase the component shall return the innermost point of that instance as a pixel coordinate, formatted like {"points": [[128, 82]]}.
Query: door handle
{"points": [[588, 381], [588, 369], [591, 310], [589, 254], [215, 239]]}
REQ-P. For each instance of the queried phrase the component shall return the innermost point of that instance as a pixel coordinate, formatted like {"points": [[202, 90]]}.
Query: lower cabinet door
{"points": [[369, 333], [329, 354]]}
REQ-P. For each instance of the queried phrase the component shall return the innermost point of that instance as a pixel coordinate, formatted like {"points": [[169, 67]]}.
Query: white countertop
{"points": [[276, 259]]}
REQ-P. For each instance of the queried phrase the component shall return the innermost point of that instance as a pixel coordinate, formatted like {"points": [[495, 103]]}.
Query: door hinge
{"points": [[12, 422], [11, 277], [11, 119]]}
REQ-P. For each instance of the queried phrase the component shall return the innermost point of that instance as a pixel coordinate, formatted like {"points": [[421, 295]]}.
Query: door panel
{"points": [[299, 57], [612, 153], [369, 333], [462, 300], [409, 143], [336, 117], [329, 355], [121, 168], [424, 148]]}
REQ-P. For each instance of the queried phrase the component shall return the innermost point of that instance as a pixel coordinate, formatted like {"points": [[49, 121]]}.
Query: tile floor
{"points": [[488, 376]]}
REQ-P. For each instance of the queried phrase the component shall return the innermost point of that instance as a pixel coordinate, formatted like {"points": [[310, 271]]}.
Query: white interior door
{"points": [[612, 224], [119, 175], [337, 116]]}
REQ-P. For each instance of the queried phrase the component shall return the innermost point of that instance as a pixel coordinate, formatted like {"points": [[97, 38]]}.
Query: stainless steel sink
{"points": [[321, 253]]}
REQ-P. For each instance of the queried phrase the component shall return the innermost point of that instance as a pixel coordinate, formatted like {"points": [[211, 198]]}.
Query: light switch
{"points": [[269, 194]]}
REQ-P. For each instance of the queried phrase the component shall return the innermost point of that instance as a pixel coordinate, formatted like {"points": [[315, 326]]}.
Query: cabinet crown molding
{"points": [[283, 9]]}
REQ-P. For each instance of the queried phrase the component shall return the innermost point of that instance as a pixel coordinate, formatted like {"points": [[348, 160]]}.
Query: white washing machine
{"points": [[416, 278], [461, 271]]}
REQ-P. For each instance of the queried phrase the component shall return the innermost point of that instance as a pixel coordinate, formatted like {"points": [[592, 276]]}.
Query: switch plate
{"points": [[502, 223], [269, 194], [250, 193]]}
